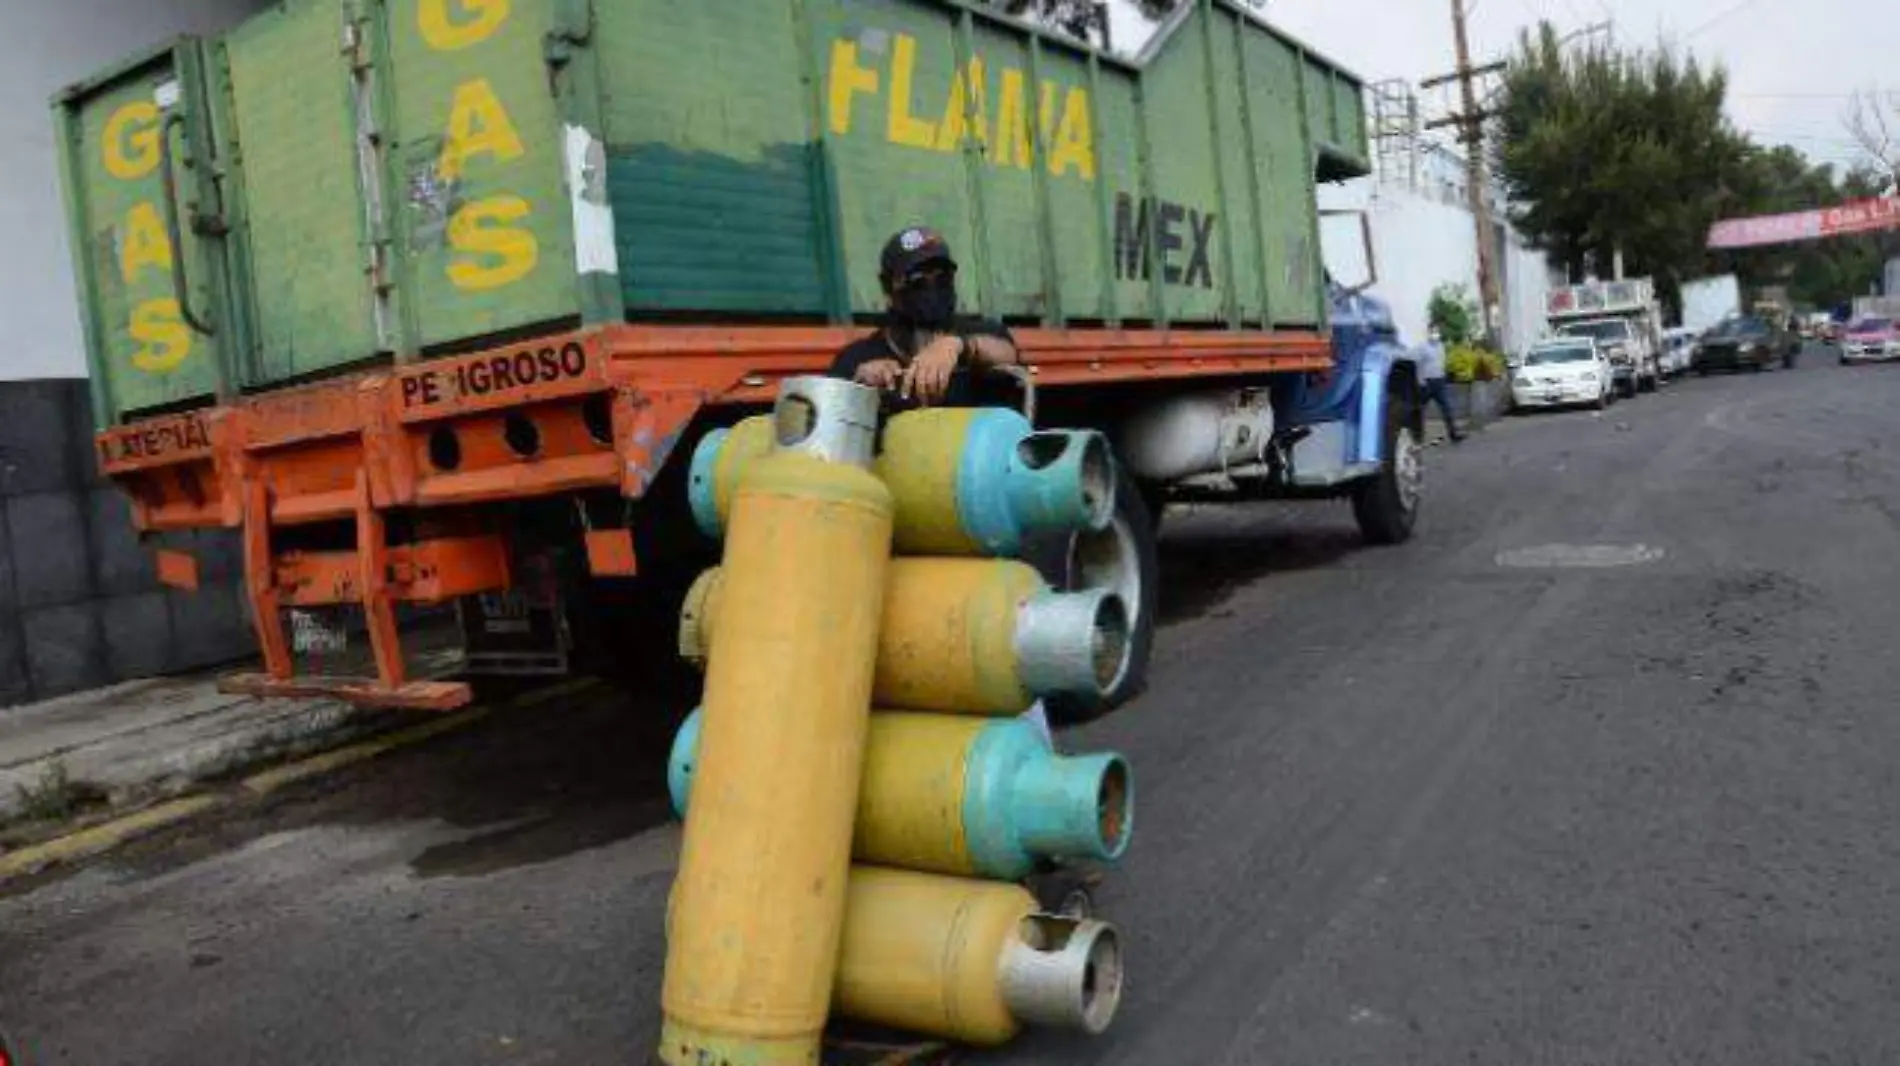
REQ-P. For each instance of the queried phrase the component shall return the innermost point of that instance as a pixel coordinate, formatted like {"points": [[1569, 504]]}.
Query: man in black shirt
{"points": [[923, 341]]}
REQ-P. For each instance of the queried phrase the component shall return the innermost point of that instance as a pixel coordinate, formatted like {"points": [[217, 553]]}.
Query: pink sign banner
{"points": [[1858, 216]]}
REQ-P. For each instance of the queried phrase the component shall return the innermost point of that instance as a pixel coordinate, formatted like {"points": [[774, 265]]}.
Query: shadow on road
{"points": [[1210, 551], [529, 784]]}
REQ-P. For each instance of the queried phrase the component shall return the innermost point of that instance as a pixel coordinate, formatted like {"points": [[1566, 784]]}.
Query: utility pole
{"points": [[1470, 122]]}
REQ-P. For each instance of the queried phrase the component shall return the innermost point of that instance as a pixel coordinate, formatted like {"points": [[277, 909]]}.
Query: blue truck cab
{"points": [[1353, 431]]}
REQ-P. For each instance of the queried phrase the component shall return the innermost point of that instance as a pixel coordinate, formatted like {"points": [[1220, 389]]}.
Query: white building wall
{"points": [[1422, 241], [49, 44], [1528, 279]]}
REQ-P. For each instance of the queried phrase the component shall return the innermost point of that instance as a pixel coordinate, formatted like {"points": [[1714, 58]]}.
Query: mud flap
{"points": [[520, 632]]}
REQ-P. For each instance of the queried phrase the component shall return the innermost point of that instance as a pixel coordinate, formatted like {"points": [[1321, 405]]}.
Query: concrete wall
{"points": [[80, 605], [44, 46], [1420, 242]]}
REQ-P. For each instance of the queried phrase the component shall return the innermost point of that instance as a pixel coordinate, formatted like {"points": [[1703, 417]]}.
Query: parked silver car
{"points": [[1678, 351]]}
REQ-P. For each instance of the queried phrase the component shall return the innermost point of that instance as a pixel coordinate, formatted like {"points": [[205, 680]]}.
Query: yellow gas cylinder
{"points": [[967, 636], [721, 456], [965, 480], [758, 902], [974, 797], [970, 960]]}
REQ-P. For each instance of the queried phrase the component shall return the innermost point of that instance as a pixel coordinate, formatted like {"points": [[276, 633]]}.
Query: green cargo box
{"points": [[339, 182]]}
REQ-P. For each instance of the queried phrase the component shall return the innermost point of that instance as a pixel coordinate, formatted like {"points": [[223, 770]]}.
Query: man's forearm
{"points": [[985, 350]]}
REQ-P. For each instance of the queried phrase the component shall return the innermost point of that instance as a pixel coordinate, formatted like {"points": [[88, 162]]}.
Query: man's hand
{"points": [[927, 379], [880, 373]]}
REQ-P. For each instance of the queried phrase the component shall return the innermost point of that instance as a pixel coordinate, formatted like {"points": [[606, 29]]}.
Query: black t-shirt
{"points": [[967, 388]]}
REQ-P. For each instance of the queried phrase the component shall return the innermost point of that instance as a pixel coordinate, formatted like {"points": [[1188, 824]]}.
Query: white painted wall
{"points": [[1420, 243], [44, 46]]}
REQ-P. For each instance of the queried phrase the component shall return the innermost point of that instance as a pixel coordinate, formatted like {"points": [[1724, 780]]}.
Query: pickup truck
{"points": [[1633, 355], [1623, 317]]}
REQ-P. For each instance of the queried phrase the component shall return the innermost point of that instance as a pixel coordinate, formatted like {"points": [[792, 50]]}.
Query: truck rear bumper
{"points": [[596, 409]]}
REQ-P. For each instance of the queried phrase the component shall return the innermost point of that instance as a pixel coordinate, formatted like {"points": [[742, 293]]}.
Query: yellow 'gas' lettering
{"points": [[142, 242], [903, 127], [130, 140], [1075, 138], [443, 34], [481, 229], [477, 124], [1012, 124], [1064, 142], [164, 339], [964, 113], [848, 78]]}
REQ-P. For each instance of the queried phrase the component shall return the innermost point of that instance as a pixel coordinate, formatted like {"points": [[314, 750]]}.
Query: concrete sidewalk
{"points": [[141, 741], [110, 749]]}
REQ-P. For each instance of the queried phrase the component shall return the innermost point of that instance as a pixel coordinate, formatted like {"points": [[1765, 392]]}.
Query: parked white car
{"points": [[1563, 371], [1678, 354]]}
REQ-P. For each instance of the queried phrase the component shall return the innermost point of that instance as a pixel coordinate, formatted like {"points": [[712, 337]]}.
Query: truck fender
{"points": [[1386, 372]]}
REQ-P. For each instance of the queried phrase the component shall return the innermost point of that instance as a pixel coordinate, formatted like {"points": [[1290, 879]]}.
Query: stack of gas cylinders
{"points": [[865, 786]]}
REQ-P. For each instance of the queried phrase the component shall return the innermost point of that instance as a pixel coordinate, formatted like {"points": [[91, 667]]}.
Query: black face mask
{"points": [[931, 306]]}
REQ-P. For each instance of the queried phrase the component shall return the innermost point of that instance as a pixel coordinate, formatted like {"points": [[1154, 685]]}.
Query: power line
{"points": [[1849, 94], [1725, 13]]}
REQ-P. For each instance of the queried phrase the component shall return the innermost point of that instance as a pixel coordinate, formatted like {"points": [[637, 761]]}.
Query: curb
{"points": [[97, 839], [106, 836]]}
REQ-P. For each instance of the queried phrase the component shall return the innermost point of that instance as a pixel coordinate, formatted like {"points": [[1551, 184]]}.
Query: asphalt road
{"points": [[1601, 768]]}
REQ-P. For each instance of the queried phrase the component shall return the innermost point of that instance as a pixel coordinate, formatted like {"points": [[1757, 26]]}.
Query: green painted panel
{"points": [[1077, 196], [1236, 229], [1129, 218], [888, 71], [485, 234], [1006, 164], [1349, 115], [142, 351], [728, 159], [1319, 101], [1284, 164], [1185, 215], [295, 137], [710, 157]]}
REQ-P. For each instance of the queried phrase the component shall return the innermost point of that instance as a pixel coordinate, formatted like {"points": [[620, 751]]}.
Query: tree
{"points": [[1606, 151], [1085, 20], [1873, 120], [1453, 313]]}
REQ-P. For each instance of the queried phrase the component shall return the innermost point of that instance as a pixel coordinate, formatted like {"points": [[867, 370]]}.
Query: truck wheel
{"points": [[1386, 504], [1121, 557]]}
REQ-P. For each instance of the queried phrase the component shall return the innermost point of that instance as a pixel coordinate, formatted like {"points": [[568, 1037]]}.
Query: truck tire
{"points": [[1386, 504], [1122, 557]]}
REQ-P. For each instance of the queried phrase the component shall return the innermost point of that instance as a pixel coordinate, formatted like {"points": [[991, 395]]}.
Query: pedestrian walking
{"points": [[1431, 368]]}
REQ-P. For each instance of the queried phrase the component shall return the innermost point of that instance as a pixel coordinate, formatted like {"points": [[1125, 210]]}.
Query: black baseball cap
{"points": [[910, 248]]}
